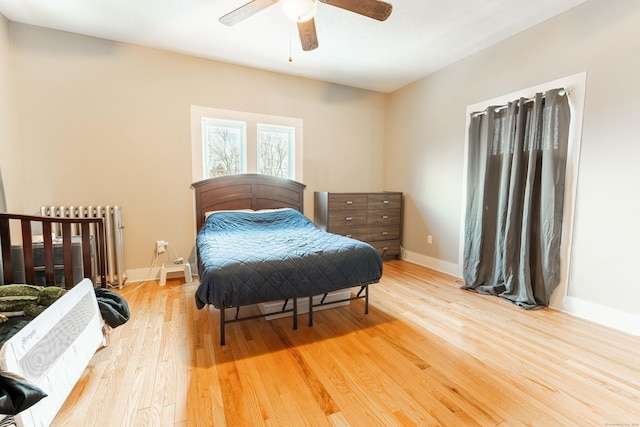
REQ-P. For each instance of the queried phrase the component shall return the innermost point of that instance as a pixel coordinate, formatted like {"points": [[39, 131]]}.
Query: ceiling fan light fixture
{"points": [[299, 10]]}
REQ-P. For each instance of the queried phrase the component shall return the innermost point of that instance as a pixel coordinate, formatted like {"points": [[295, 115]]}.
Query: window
{"points": [[223, 144], [275, 150], [228, 142]]}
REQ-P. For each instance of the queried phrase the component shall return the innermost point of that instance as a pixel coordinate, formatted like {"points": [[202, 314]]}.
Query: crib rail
{"points": [[113, 231], [18, 230]]}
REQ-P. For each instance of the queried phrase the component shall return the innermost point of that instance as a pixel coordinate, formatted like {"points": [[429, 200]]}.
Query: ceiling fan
{"points": [[303, 11]]}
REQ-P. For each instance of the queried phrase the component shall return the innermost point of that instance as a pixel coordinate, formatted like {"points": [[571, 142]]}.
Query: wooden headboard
{"points": [[246, 191]]}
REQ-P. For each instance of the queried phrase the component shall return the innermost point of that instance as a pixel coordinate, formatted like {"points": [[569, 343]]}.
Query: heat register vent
{"points": [[113, 226]]}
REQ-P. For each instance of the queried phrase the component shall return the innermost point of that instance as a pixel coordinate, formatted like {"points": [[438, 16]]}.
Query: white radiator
{"points": [[113, 227]]}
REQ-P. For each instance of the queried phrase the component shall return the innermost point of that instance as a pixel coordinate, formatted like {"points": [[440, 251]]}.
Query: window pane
{"points": [[275, 150], [224, 142]]}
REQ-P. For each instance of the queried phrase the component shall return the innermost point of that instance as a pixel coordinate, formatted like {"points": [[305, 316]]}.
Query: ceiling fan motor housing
{"points": [[299, 10]]}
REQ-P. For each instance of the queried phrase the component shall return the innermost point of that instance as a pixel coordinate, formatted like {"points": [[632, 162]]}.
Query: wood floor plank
{"points": [[428, 353]]}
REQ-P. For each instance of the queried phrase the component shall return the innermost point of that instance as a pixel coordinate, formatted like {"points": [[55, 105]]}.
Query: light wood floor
{"points": [[427, 353]]}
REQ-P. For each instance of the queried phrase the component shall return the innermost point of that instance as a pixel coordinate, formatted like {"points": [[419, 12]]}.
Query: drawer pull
{"points": [[348, 235], [349, 202], [348, 218], [386, 202], [384, 233], [385, 216]]}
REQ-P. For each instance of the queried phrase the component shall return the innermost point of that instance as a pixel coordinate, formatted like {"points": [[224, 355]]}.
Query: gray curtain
{"points": [[515, 196]]}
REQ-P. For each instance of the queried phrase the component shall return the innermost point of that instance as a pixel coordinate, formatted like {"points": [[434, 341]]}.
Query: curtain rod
{"points": [[526, 101]]}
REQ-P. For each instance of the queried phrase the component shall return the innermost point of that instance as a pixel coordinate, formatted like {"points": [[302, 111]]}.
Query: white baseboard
{"points": [[606, 316], [433, 263], [152, 273]]}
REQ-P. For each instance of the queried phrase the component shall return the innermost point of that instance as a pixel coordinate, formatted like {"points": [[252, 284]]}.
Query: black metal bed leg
{"points": [[366, 299], [295, 313], [323, 298], [222, 324], [310, 311]]}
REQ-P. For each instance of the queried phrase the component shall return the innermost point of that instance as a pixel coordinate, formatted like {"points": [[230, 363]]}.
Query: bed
{"points": [[51, 351], [254, 245]]}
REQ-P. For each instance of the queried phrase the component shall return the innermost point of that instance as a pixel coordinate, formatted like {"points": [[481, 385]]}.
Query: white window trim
{"points": [[575, 84], [252, 120]]}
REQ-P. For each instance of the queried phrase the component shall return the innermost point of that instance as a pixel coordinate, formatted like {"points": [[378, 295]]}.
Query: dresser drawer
{"points": [[347, 202], [384, 201], [347, 217], [369, 233], [375, 218], [387, 248], [383, 216]]}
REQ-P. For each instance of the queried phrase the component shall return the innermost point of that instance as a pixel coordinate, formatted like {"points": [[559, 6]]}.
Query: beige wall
{"points": [[10, 149], [426, 125], [109, 123], [5, 97]]}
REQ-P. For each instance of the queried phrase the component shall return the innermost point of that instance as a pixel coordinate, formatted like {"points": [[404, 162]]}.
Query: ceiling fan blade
{"points": [[308, 35], [245, 11], [374, 9]]}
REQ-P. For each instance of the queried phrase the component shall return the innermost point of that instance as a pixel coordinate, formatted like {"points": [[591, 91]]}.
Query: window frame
{"points": [[291, 134], [251, 120], [229, 124]]}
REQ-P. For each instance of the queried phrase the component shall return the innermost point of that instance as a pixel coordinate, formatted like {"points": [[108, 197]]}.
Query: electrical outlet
{"points": [[429, 239], [161, 246]]}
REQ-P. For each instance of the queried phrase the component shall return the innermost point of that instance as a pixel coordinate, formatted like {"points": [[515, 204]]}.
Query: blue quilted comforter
{"points": [[251, 257]]}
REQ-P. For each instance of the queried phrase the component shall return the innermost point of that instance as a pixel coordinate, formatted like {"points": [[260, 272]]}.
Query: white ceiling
{"points": [[420, 36]]}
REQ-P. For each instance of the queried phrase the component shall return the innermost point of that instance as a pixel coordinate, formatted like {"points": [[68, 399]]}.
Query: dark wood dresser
{"points": [[375, 218]]}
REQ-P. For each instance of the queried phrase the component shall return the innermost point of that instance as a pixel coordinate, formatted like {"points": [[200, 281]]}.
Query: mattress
{"points": [[53, 350], [252, 257]]}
